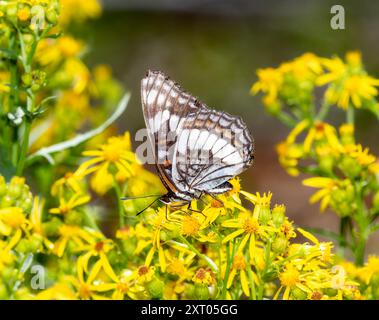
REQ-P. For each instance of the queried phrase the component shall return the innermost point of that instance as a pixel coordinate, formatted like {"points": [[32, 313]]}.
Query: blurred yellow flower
{"points": [[269, 82], [79, 11], [326, 185], [65, 206], [112, 157]]}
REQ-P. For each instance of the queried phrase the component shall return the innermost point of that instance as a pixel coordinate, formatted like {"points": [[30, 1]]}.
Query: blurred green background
{"points": [[213, 48]]}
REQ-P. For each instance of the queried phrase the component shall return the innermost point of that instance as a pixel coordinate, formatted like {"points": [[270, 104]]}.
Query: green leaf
{"points": [[80, 138], [9, 54]]}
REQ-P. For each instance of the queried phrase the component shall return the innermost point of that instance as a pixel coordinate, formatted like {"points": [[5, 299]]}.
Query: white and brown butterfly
{"points": [[196, 149]]}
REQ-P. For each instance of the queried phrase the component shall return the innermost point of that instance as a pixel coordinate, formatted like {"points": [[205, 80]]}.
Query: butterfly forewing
{"points": [[165, 107]]}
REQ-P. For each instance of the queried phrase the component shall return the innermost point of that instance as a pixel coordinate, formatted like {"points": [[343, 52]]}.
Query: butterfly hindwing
{"points": [[212, 148]]}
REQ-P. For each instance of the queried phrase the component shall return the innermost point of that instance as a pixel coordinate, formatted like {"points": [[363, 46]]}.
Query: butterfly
{"points": [[196, 150]]}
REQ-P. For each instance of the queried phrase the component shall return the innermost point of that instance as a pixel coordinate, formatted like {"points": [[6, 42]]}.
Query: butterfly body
{"points": [[196, 149]]}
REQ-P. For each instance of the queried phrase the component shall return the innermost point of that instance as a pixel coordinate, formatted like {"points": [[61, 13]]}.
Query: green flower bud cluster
{"points": [[31, 18], [15, 194], [34, 80], [343, 199]]}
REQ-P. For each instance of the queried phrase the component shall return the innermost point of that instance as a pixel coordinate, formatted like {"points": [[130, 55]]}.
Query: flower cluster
{"points": [[300, 94], [293, 83], [45, 86], [216, 249]]}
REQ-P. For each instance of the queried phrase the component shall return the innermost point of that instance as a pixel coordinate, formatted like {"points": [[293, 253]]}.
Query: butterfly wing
{"points": [[165, 107], [212, 148]]}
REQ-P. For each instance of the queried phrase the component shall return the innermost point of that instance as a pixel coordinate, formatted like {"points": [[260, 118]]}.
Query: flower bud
{"points": [[51, 228], [347, 134], [73, 217], [14, 190], [155, 288], [201, 291], [3, 292], [273, 107], [26, 79], [22, 246], [51, 16], [278, 215], [25, 204], [35, 243], [6, 202], [326, 163], [280, 245], [190, 291], [298, 294], [12, 11], [331, 292], [23, 16], [9, 273], [264, 215], [349, 167]]}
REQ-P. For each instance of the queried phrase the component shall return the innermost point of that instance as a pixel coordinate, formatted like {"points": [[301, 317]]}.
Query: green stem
{"points": [[253, 295], [350, 115], [208, 260], [286, 119], [24, 148], [363, 223], [360, 251], [229, 262], [323, 112], [266, 267], [344, 229], [121, 212]]}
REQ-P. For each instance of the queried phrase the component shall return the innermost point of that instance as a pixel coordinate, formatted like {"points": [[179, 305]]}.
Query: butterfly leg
{"points": [[193, 210], [166, 212], [214, 198]]}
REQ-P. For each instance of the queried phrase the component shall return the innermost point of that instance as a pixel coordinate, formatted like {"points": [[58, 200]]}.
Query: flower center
{"points": [[239, 262], [251, 225], [289, 277], [316, 295], [23, 14], [190, 226], [143, 270], [176, 267], [112, 153], [99, 246], [200, 274], [84, 291], [64, 208], [122, 286]]}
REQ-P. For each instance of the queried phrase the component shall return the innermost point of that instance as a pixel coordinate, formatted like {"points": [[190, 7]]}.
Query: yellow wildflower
{"points": [[204, 276], [114, 155], [65, 207], [326, 185], [239, 266], [74, 235], [270, 81]]}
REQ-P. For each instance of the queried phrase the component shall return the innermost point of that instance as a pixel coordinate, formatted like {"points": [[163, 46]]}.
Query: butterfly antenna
{"points": [[149, 205], [140, 197]]}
